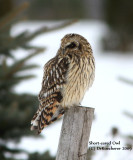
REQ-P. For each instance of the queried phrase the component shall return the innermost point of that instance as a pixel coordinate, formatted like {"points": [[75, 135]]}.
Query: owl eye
{"points": [[72, 45]]}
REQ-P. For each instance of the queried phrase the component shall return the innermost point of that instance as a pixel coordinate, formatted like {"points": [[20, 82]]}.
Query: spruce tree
{"points": [[17, 109]]}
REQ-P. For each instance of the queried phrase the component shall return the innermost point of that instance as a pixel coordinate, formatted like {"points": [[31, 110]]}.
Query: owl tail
{"points": [[46, 116]]}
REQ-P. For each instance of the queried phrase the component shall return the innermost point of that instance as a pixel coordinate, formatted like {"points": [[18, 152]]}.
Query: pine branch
{"points": [[28, 67], [7, 20], [20, 40], [125, 80], [25, 77], [46, 29], [8, 83], [130, 115], [7, 149], [10, 71]]}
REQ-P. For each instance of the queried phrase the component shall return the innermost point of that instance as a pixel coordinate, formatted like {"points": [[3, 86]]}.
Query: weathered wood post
{"points": [[75, 133]]}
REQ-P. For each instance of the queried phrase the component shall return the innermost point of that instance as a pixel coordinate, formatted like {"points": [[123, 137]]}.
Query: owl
{"points": [[66, 78]]}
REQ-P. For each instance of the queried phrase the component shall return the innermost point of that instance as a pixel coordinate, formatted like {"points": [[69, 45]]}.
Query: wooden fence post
{"points": [[75, 132]]}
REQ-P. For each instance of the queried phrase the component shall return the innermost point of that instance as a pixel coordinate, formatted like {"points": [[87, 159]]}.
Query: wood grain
{"points": [[75, 133]]}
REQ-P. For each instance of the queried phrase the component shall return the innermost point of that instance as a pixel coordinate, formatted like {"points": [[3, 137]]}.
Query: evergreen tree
{"points": [[118, 15], [16, 110]]}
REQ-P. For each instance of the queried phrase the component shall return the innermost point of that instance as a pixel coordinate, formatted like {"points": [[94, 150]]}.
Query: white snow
{"points": [[109, 96]]}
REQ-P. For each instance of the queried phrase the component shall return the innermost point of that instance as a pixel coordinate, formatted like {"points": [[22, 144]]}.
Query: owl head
{"points": [[73, 43]]}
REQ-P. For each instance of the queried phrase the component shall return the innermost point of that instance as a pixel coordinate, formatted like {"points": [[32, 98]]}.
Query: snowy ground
{"points": [[109, 96]]}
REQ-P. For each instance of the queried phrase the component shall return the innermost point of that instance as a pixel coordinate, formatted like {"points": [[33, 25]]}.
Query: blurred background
{"points": [[30, 33]]}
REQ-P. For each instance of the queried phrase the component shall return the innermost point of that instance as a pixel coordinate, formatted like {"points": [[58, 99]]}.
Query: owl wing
{"points": [[50, 95]]}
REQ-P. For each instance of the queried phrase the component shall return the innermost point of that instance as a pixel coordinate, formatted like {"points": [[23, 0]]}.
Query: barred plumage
{"points": [[66, 78]]}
